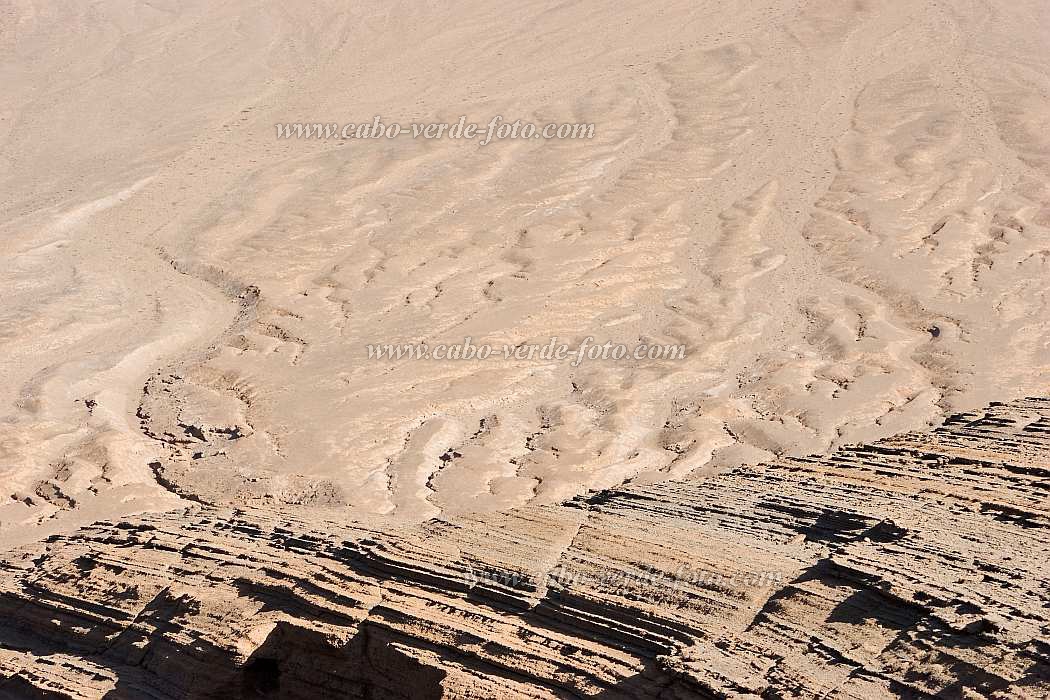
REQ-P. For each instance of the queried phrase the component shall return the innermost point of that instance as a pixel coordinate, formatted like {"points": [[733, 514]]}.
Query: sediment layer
{"points": [[915, 566]]}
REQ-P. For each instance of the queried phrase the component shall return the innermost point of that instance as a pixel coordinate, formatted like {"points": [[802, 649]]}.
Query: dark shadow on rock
{"points": [[866, 605], [299, 662]]}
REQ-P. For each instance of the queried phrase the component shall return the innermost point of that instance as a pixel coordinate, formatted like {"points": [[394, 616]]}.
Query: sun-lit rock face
{"points": [[915, 566]]}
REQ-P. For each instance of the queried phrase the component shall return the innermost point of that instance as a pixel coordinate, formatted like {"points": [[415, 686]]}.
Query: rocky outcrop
{"points": [[916, 567]]}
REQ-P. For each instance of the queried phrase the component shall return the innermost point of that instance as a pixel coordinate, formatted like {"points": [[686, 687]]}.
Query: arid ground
{"points": [[840, 208]]}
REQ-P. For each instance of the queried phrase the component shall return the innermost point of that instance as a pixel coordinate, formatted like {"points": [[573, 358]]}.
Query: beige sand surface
{"points": [[842, 208]]}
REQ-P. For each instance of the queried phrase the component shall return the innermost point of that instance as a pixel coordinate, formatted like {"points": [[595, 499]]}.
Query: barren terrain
{"points": [[841, 208]]}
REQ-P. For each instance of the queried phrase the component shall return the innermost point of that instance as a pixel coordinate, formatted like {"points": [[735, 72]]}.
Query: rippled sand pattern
{"points": [[840, 208]]}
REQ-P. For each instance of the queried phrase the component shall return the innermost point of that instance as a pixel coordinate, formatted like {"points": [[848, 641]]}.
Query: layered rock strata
{"points": [[915, 566]]}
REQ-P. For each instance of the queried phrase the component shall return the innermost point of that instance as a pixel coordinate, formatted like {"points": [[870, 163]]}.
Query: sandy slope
{"points": [[840, 207]]}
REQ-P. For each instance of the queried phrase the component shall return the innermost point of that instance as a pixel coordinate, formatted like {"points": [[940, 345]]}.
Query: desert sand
{"points": [[840, 208]]}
